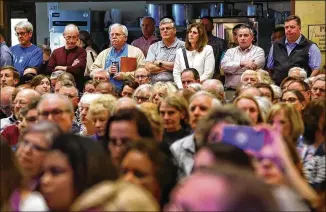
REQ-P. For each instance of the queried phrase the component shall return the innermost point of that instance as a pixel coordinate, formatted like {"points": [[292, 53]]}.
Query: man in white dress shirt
{"points": [[238, 59]]}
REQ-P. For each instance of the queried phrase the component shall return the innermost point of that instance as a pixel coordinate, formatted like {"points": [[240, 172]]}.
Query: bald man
{"points": [[23, 98], [58, 109], [70, 58], [5, 101]]}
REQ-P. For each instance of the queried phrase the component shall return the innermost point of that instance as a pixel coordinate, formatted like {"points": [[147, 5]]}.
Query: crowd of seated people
{"points": [[193, 126]]}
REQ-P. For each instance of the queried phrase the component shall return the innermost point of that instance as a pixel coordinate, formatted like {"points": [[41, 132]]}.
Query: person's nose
{"points": [[197, 111], [129, 177], [45, 179], [97, 124], [166, 116]]}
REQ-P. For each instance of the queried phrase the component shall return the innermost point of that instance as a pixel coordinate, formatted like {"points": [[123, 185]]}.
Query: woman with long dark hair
{"points": [[92, 50]]}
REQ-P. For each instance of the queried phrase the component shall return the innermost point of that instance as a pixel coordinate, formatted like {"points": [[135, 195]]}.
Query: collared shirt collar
{"points": [[297, 41], [152, 37], [189, 144], [174, 44], [2, 43], [247, 49]]}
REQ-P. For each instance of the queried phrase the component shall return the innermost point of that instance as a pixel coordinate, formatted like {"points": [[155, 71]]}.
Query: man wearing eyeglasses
{"points": [[318, 87], [72, 93], [142, 76], [110, 59], [70, 58], [161, 55], [22, 99], [25, 54], [58, 109]]}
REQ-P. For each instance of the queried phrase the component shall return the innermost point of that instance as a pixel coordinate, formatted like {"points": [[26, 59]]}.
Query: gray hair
{"points": [[98, 71], [215, 101], [121, 26], [214, 84], [143, 88], [71, 27], [196, 86], [150, 18], [277, 91], [24, 25], [167, 21], [249, 28], [88, 98], [249, 72], [264, 105], [303, 73], [49, 129]]}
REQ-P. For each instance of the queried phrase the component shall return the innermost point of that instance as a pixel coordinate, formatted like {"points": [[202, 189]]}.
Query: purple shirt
{"points": [[144, 44], [314, 54]]}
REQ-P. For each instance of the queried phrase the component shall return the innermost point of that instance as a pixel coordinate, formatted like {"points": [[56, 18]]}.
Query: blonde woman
{"points": [[250, 106], [199, 55], [116, 196], [99, 112]]}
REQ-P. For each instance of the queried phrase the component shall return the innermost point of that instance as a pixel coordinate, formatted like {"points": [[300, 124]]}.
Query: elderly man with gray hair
{"points": [[183, 150], [161, 55], [298, 73], [25, 54], [70, 58], [110, 59], [58, 109]]}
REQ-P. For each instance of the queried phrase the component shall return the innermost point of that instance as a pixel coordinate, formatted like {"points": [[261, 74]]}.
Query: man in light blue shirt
{"points": [[5, 53], [25, 54]]}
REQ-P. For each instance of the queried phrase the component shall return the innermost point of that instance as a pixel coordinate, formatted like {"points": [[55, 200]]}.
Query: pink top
{"points": [[144, 44]]}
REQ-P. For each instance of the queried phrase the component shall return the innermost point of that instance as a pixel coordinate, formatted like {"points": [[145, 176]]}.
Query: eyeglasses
{"points": [[141, 76], [119, 142], [116, 34], [25, 143], [315, 89], [20, 33], [166, 28], [54, 113], [290, 100]]}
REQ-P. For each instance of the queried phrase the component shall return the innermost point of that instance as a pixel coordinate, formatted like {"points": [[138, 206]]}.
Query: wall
{"points": [[311, 12], [130, 12]]}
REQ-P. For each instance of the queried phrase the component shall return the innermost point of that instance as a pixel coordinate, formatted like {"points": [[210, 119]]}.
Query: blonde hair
{"points": [[264, 77], [151, 111], [105, 102], [297, 126], [260, 118], [179, 103], [116, 196]]}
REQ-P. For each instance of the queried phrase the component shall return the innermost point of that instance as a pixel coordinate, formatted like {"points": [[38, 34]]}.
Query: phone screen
{"points": [[244, 137]]}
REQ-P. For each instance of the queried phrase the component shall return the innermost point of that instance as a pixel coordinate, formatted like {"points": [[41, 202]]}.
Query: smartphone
{"points": [[243, 137], [116, 64]]}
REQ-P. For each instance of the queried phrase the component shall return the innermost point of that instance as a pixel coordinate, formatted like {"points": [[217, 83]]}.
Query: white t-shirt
{"points": [[33, 202]]}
